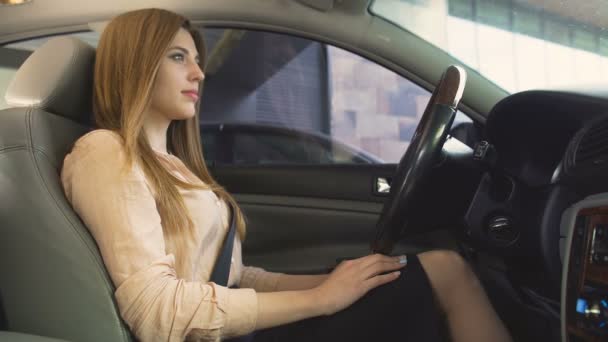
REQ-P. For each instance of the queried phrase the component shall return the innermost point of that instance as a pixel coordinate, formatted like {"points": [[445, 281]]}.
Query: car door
{"points": [[305, 214]]}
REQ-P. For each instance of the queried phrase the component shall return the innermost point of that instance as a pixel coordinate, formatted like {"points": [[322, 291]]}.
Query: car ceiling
{"points": [[346, 24]]}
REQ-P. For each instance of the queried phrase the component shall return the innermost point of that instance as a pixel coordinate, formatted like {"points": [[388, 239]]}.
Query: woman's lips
{"points": [[191, 94]]}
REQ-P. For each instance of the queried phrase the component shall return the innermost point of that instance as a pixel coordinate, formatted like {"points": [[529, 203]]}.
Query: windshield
{"points": [[517, 44]]}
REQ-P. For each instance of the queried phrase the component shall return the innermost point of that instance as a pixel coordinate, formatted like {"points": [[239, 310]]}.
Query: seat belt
{"points": [[221, 270]]}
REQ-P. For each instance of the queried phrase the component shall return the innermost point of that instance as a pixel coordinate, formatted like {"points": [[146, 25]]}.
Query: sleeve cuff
{"points": [[259, 279], [241, 309]]}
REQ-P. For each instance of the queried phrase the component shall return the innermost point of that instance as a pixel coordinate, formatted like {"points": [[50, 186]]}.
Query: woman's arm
{"points": [[278, 308], [292, 282], [345, 285], [264, 281]]}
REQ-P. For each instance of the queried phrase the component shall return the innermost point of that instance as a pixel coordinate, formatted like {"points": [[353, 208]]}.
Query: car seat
{"points": [[53, 281]]}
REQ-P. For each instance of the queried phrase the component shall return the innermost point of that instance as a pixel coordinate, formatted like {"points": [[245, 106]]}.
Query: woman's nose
{"points": [[197, 74]]}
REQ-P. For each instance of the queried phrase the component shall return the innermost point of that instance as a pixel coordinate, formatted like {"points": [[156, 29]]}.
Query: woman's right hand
{"points": [[352, 279]]}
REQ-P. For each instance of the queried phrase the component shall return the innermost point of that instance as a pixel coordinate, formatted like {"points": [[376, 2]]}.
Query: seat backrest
{"points": [[52, 278]]}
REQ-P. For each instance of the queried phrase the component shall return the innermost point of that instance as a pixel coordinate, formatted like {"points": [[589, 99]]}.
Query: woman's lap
{"points": [[403, 310]]}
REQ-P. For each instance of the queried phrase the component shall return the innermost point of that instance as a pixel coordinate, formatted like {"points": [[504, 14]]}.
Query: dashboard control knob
{"points": [[500, 228]]}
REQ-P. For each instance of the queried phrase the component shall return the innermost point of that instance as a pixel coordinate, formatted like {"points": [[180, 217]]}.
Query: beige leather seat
{"points": [[53, 282]]}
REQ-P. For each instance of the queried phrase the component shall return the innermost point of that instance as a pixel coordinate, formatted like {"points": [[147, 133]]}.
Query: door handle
{"points": [[382, 186]]}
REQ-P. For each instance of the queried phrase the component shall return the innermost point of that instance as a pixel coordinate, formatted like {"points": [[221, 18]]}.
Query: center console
{"points": [[584, 309]]}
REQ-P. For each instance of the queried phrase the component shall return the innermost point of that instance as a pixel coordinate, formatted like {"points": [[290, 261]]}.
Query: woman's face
{"points": [[175, 92]]}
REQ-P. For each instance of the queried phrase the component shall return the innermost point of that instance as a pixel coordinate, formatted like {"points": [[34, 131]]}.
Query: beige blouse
{"points": [[118, 207]]}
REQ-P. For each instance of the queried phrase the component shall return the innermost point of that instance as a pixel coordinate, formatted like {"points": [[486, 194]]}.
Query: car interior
{"points": [[519, 190]]}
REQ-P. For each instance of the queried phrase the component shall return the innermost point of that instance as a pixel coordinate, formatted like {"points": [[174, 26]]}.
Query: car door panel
{"points": [[306, 226], [340, 182], [308, 235]]}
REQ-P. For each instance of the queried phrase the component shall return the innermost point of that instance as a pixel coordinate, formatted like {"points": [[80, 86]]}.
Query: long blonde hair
{"points": [[128, 57]]}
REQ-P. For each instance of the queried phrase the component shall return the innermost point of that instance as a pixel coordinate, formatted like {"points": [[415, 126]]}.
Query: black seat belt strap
{"points": [[221, 270]]}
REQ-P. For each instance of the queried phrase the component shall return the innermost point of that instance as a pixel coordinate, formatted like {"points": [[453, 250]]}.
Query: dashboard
{"points": [[584, 298], [542, 202]]}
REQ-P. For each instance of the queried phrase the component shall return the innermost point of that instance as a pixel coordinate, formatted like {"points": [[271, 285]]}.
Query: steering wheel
{"points": [[422, 154]]}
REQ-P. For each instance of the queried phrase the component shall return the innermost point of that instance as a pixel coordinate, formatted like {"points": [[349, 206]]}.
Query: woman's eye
{"points": [[178, 57]]}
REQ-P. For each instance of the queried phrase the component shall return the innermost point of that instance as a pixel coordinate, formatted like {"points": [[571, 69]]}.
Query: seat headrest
{"points": [[58, 78]]}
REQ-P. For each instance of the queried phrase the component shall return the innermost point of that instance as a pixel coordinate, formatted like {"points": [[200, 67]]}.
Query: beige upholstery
{"points": [[57, 77]]}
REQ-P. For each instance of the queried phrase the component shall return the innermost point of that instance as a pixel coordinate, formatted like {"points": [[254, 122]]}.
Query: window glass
{"points": [[494, 12], [519, 45], [277, 148], [461, 8], [284, 99], [527, 21], [372, 107]]}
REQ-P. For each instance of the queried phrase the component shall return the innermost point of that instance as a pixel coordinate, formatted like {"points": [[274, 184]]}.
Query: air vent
{"points": [[593, 147]]}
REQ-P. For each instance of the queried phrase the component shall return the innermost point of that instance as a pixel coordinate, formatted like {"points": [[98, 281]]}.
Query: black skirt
{"points": [[402, 310]]}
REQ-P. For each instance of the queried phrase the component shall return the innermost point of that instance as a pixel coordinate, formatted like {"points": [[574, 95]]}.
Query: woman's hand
{"points": [[354, 278], [345, 285]]}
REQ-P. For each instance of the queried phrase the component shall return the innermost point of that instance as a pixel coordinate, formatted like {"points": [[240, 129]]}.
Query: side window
{"points": [[273, 147], [287, 100]]}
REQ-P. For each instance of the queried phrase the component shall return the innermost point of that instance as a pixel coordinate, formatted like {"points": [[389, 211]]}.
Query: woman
{"points": [[140, 185]]}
